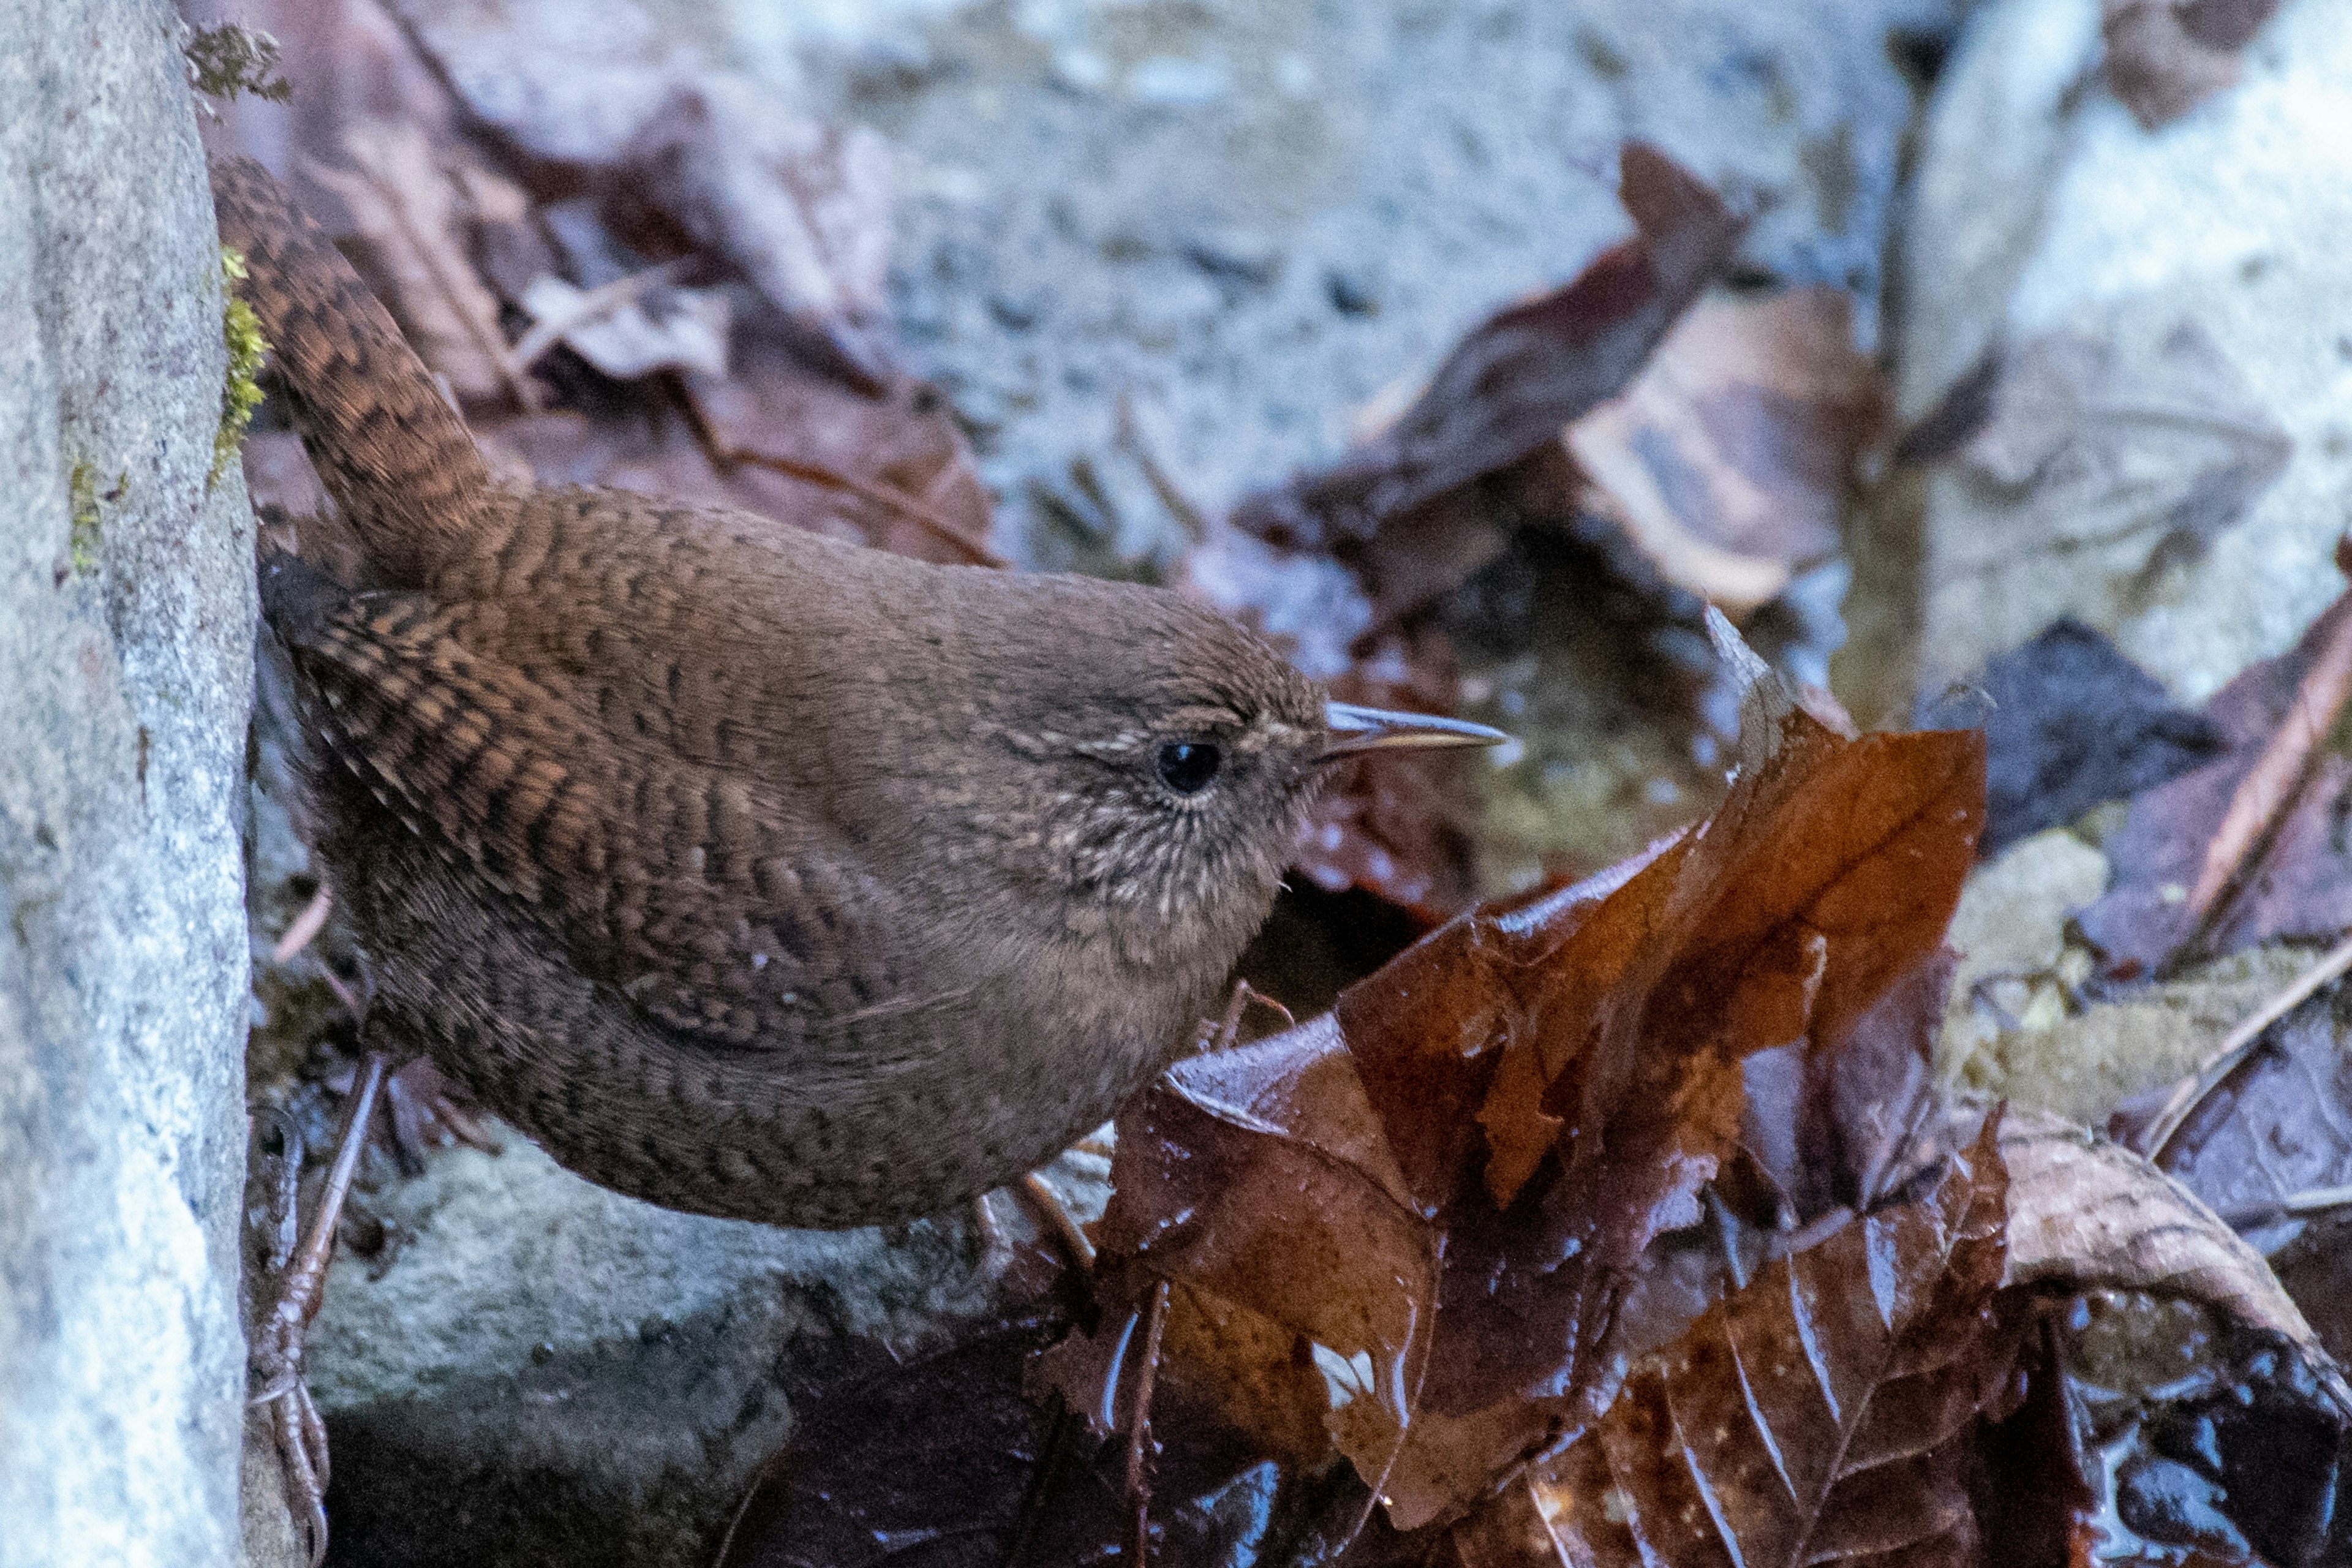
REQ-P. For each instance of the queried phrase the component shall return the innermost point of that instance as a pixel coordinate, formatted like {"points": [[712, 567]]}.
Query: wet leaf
{"points": [[1456, 1174], [2251, 846], [2085, 1214], [945, 1463], [2192, 1432], [1822, 1412], [2073, 722], [1726, 461], [2166, 57], [1396, 825]]}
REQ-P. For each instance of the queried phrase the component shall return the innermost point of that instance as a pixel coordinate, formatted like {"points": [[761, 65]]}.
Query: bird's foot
{"points": [[1060, 1228], [425, 1111], [1224, 1033], [298, 1277]]}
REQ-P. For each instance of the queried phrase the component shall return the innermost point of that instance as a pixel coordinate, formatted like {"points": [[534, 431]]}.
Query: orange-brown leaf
{"points": [[1820, 1413]]}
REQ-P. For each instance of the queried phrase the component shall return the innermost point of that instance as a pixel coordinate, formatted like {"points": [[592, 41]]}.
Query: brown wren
{"points": [[748, 871]]}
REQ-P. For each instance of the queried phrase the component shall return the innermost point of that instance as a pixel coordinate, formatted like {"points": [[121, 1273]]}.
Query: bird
{"points": [[749, 871]]}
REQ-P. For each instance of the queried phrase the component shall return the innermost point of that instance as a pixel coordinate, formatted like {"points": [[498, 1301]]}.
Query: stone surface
{"points": [[2044, 207], [1246, 218], [126, 617], [573, 1376]]}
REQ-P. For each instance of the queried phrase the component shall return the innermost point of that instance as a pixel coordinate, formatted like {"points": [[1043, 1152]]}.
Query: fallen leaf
{"points": [[1396, 825], [2089, 439], [1508, 1114], [893, 465], [2250, 847], [2085, 1214], [945, 1463], [570, 82], [408, 219], [2166, 57], [1727, 459], [2192, 1432], [1515, 383], [1821, 1412], [2073, 722], [802, 207]]}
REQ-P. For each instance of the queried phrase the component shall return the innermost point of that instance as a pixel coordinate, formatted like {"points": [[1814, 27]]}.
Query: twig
{"points": [[2192, 1090], [2270, 788], [1064, 1225], [306, 927], [593, 305], [1138, 1436], [1127, 435], [879, 495]]}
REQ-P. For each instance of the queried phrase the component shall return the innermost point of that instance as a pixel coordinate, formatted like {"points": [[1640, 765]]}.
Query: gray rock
{"points": [[126, 617], [533, 1369], [1459, 153], [2045, 214]]}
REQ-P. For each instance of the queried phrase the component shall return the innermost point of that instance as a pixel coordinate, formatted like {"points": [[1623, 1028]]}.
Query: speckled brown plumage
{"points": [[750, 872]]}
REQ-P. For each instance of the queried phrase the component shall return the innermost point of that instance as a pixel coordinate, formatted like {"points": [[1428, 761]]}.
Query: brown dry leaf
{"points": [[1513, 383], [2166, 57], [1538, 1091], [1821, 1412], [2250, 846], [408, 218], [2090, 438], [1725, 461]]}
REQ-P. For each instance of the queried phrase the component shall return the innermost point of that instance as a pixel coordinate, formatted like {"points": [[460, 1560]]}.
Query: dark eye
{"points": [[1187, 766]]}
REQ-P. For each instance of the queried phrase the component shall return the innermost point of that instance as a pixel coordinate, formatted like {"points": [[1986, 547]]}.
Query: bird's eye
{"points": [[1187, 766]]}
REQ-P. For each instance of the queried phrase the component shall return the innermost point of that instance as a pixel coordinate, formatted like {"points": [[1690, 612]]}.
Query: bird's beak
{"points": [[1355, 729]]}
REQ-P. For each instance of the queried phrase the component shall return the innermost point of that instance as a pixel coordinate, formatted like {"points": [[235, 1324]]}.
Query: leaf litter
{"points": [[1502, 1229]]}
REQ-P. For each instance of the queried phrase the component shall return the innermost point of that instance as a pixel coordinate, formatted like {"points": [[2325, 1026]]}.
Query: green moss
{"points": [[226, 61], [81, 493], [241, 390]]}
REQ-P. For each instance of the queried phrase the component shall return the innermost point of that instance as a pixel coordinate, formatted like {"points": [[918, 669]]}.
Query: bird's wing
{"points": [[702, 898]]}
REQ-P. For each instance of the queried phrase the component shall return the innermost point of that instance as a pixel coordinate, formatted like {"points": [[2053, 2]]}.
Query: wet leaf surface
{"points": [[1514, 1110], [2073, 722], [2252, 846], [1821, 1412]]}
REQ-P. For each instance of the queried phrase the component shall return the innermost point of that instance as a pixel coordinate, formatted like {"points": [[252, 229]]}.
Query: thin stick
{"points": [[1064, 1225], [887, 496], [2278, 776], [1138, 1436], [592, 305], [306, 927], [2192, 1090]]}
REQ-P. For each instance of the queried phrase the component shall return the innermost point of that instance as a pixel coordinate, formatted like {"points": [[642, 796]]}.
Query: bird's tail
{"points": [[393, 453]]}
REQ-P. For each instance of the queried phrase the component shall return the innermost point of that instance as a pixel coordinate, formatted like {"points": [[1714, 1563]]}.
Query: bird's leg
{"points": [[1224, 1033], [1139, 1432], [275, 1365], [428, 1108]]}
